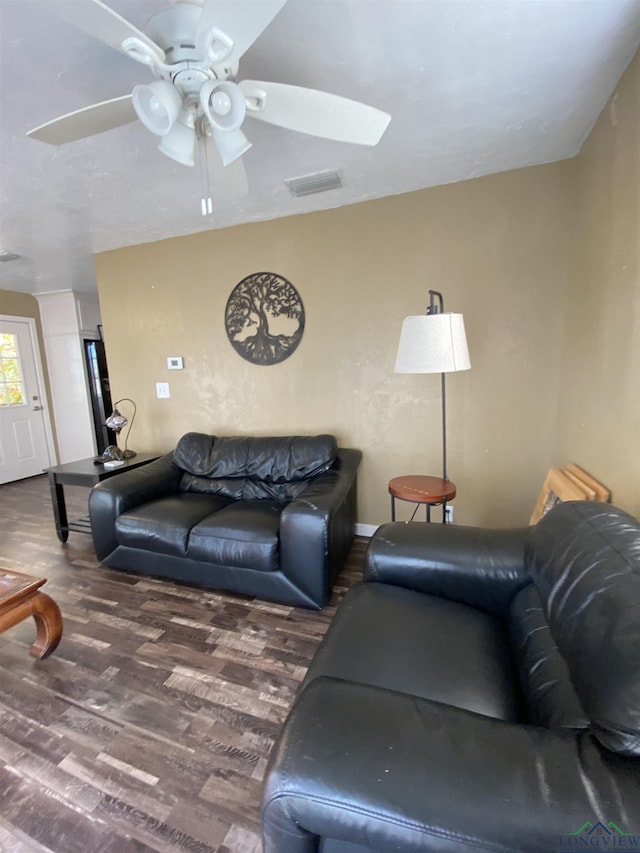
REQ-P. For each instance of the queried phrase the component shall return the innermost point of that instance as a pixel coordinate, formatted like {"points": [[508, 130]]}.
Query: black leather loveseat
{"points": [[481, 691], [266, 516]]}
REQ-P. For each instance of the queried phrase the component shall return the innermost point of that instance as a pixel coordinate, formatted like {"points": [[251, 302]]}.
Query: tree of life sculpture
{"points": [[264, 318]]}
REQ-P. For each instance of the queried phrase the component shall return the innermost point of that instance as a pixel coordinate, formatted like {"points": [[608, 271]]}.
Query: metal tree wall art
{"points": [[264, 318]]}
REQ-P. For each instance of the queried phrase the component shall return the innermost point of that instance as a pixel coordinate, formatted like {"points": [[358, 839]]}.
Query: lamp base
{"points": [[111, 453], [128, 454]]}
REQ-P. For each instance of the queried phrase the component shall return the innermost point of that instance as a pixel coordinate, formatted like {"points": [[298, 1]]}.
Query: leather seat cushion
{"points": [[423, 645], [164, 525], [244, 535]]}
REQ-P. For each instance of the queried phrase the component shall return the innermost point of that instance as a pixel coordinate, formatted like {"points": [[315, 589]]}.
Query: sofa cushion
{"points": [[423, 645], [163, 525], [585, 560], [549, 696], [244, 535], [252, 468]]}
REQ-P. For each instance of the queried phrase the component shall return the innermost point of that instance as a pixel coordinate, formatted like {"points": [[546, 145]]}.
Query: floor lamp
{"points": [[434, 342]]}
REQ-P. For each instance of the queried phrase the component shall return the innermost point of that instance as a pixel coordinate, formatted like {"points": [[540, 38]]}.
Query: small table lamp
{"points": [[434, 342], [117, 422]]}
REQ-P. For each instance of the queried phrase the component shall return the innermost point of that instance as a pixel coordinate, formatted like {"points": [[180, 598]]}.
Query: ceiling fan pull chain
{"points": [[203, 201], [206, 204], [206, 168]]}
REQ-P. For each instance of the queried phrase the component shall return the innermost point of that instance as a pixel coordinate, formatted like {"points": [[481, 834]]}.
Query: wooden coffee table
{"points": [[20, 597]]}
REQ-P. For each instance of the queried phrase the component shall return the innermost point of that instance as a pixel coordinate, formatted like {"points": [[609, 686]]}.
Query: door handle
{"points": [[37, 408]]}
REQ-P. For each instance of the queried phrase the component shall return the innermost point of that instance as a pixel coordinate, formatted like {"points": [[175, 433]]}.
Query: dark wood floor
{"points": [[150, 726]]}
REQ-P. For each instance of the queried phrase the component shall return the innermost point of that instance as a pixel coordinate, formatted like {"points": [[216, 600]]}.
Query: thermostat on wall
{"points": [[174, 362]]}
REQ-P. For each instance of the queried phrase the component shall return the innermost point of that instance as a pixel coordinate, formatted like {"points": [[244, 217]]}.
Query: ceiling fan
{"points": [[193, 49]]}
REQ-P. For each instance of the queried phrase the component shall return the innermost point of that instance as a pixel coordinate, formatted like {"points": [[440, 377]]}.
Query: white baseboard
{"points": [[366, 529]]}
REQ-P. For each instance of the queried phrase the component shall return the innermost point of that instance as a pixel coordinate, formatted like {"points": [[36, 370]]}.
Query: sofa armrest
{"points": [[474, 565], [317, 529], [112, 497], [392, 772]]}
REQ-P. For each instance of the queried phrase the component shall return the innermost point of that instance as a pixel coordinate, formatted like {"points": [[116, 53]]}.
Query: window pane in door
{"points": [[8, 345], [11, 383], [11, 371]]}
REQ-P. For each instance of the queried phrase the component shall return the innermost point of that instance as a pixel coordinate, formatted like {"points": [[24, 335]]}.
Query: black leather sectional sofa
{"points": [[479, 692], [266, 516]]}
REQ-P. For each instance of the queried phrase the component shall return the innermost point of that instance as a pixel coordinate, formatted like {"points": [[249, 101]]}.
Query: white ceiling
{"points": [[473, 87]]}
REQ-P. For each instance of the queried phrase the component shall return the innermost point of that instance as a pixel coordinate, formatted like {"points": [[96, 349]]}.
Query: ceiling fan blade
{"points": [[86, 122], [101, 22], [241, 22], [314, 112]]}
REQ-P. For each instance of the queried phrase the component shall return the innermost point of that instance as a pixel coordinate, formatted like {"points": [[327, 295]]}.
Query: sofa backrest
{"points": [[584, 558], [253, 468]]}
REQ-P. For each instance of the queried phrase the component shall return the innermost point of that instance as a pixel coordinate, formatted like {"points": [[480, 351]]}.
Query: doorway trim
{"points": [[40, 377]]}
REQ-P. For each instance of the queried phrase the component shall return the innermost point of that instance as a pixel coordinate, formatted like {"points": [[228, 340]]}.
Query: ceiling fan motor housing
{"points": [[189, 64], [189, 80], [174, 29]]}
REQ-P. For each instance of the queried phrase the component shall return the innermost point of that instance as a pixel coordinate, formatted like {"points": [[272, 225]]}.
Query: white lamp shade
{"points": [[231, 144], [179, 143], [157, 105], [432, 343]]}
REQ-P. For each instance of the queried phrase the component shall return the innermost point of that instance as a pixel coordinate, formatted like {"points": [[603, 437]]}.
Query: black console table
{"points": [[84, 472]]}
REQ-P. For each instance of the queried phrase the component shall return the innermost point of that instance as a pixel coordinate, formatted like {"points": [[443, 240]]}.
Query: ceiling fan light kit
{"points": [[193, 48]]}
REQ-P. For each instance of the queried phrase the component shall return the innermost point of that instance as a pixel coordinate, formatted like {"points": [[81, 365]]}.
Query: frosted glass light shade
{"points": [[432, 343], [231, 144], [223, 105], [179, 143], [158, 106]]}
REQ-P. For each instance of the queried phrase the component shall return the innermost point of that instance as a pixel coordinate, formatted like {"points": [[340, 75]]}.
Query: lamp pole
{"points": [[438, 308]]}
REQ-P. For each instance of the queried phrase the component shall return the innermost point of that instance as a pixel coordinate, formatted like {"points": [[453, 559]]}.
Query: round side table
{"points": [[420, 489]]}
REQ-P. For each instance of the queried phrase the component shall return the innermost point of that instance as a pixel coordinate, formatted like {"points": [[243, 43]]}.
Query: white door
{"points": [[24, 450]]}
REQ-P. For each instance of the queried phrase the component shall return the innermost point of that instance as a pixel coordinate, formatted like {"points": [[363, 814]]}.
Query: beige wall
{"points": [[496, 247], [20, 305], [599, 409]]}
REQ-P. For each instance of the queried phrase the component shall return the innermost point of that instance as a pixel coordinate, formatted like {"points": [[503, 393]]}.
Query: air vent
{"points": [[318, 182], [8, 256]]}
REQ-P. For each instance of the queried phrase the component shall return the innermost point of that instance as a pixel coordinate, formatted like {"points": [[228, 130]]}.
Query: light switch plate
{"points": [[174, 362], [162, 389]]}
